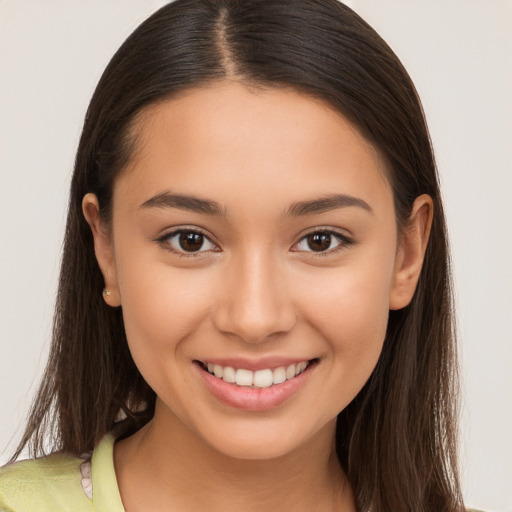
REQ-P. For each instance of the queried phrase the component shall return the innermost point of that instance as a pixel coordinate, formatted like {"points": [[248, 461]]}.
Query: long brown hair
{"points": [[397, 439]]}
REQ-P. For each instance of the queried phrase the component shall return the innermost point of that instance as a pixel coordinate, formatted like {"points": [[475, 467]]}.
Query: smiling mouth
{"points": [[263, 378]]}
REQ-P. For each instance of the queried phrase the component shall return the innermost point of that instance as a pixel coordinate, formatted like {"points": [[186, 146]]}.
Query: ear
{"points": [[411, 252], [103, 248]]}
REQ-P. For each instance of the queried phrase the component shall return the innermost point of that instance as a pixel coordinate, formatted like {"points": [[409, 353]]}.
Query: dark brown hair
{"points": [[397, 439]]}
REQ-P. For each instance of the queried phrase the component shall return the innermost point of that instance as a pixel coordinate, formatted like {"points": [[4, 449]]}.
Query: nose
{"points": [[254, 303]]}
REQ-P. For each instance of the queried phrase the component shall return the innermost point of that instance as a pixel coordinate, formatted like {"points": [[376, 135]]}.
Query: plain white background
{"points": [[458, 52]]}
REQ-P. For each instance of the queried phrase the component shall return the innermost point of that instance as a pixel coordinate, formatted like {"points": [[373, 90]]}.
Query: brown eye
{"points": [[322, 241], [188, 242], [191, 242], [319, 241]]}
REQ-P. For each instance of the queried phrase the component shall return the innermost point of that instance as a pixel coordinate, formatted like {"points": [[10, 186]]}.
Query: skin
{"points": [[256, 290]]}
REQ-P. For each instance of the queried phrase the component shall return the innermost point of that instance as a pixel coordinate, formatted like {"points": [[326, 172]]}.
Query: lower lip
{"points": [[253, 399]]}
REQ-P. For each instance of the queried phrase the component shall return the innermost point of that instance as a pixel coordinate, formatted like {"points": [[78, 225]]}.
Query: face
{"points": [[254, 251]]}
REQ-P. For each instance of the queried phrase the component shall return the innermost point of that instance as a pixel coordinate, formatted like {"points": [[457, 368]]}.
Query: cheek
{"points": [[161, 307], [161, 313], [351, 300], [350, 311]]}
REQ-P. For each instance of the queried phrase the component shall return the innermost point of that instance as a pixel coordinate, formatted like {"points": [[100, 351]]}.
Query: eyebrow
{"points": [[205, 206], [184, 202], [327, 203]]}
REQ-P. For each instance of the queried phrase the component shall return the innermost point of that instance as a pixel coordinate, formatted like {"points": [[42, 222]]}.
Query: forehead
{"points": [[227, 138]]}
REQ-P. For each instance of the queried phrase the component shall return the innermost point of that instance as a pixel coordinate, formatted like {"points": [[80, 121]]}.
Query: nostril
{"points": [[255, 324]]}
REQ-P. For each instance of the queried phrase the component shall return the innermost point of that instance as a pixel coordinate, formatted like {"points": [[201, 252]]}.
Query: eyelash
{"points": [[343, 241], [164, 241]]}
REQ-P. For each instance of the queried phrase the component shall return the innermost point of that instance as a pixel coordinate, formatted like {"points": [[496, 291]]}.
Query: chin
{"points": [[255, 447], [265, 441]]}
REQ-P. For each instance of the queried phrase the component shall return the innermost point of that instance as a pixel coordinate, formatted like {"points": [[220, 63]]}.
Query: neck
{"points": [[167, 463]]}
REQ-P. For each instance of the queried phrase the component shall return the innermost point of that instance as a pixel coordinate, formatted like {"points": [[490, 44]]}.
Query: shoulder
{"points": [[51, 483]]}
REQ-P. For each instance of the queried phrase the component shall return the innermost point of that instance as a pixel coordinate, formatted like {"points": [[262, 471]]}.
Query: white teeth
{"points": [[300, 368], [244, 377], [279, 375], [258, 379], [229, 374], [263, 378], [218, 371]]}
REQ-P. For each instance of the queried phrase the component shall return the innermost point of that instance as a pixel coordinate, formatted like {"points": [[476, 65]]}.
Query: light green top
{"points": [[61, 483]]}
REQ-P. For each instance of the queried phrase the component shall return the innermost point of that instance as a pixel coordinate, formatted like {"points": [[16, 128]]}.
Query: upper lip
{"points": [[252, 364]]}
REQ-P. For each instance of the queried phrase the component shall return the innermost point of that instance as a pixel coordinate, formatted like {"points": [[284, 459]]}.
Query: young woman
{"points": [[254, 306]]}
